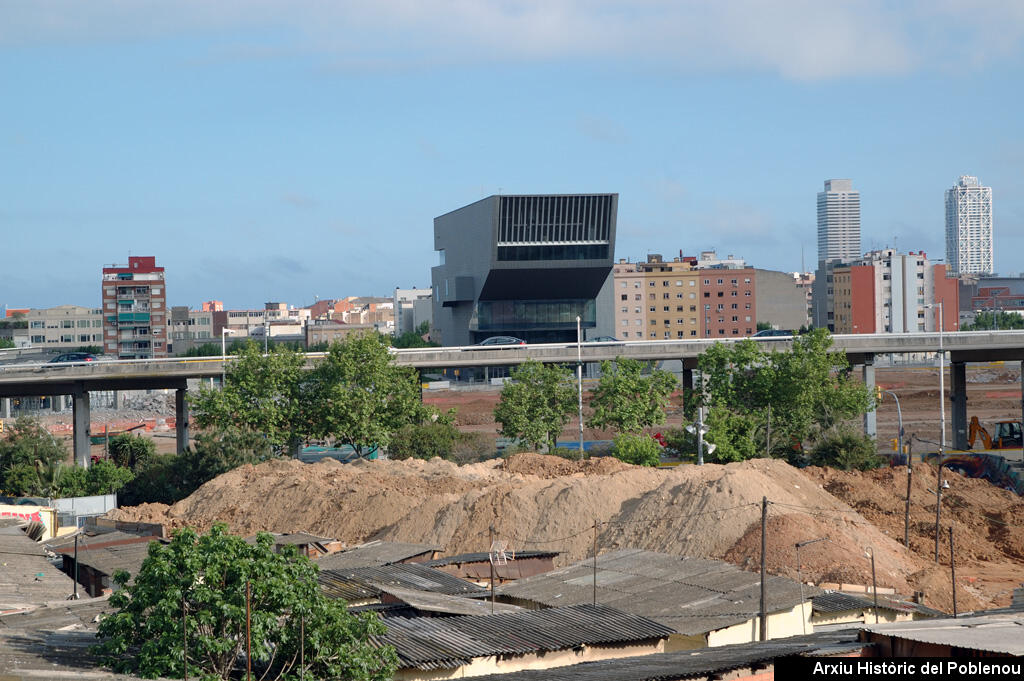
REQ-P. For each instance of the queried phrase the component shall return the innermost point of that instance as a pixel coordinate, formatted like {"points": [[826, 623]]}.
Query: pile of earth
{"points": [[542, 502]]}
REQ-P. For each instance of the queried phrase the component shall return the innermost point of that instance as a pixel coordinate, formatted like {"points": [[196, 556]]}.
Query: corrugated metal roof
{"points": [[296, 538], [110, 559], [688, 664], [451, 642], [27, 577], [692, 595], [367, 582], [426, 601], [992, 633], [374, 553], [837, 601], [482, 557]]}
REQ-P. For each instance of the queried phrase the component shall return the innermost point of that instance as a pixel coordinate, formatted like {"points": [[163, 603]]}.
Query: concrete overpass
{"points": [[81, 378]]}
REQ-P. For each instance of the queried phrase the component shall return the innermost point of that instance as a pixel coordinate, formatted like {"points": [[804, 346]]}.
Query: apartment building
{"points": [[189, 329], [728, 298], [135, 309], [890, 292], [63, 328], [671, 297], [412, 307]]}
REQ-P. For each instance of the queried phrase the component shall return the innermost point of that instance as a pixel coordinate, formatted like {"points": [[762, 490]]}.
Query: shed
{"points": [[707, 602], [998, 635], [476, 567], [378, 553], [362, 586], [835, 607], [438, 648]]}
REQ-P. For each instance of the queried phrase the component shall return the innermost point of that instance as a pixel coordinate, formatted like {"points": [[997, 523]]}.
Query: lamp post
{"points": [[223, 352], [899, 441], [800, 578], [579, 377], [874, 584], [942, 426]]}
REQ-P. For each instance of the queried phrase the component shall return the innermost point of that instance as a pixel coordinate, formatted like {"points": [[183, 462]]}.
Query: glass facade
{"points": [[554, 252], [522, 315]]}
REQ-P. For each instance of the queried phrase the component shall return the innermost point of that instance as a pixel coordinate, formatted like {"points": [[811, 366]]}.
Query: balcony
{"points": [[129, 317]]}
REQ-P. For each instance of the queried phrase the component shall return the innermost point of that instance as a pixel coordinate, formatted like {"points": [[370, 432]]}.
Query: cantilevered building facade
{"points": [[838, 222], [525, 266], [969, 227]]}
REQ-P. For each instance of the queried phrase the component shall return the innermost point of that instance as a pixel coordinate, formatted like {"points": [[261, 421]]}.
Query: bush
{"points": [[572, 454], [132, 451], [473, 448], [846, 450], [424, 441], [640, 450]]}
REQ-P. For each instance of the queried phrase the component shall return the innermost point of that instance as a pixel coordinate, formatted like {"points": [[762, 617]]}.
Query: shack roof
{"points": [[375, 553], [294, 538], [27, 577], [691, 595], [1003, 634], [110, 559], [702, 663], [370, 582], [451, 642], [483, 557], [426, 601], [837, 601]]}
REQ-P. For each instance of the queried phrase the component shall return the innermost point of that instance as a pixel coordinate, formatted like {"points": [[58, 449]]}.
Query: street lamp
{"points": [[874, 584], [579, 377], [942, 425], [899, 442], [799, 576], [223, 352]]}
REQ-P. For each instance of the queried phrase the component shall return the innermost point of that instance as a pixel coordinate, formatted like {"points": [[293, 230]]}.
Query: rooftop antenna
{"points": [[802, 270]]}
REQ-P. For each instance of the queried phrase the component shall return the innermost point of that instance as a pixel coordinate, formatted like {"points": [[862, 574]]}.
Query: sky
{"points": [[285, 151]]}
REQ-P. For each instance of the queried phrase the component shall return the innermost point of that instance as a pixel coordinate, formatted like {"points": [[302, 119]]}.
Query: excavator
{"points": [[1007, 436]]}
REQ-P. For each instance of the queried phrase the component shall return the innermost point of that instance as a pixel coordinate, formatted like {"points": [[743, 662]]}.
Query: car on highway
{"points": [[604, 339], [73, 357], [501, 340]]}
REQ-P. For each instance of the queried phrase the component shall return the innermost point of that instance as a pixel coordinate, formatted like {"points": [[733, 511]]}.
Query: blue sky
{"points": [[286, 150]]}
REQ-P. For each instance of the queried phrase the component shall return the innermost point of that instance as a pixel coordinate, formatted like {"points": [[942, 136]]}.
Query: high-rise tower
{"points": [[969, 227], [838, 222]]}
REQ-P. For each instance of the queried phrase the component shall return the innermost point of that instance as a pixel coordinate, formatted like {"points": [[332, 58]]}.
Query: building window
{"points": [[636, 296], [654, 322], [37, 325], [625, 334], [746, 280], [734, 282], [623, 285], [664, 296], [665, 283], [735, 332], [721, 294], [667, 334], [638, 322], [84, 338], [679, 308], [679, 282], [652, 308], [693, 333], [665, 309], [625, 322], [707, 294], [38, 339], [733, 306], [625, 310], [679, 295], [707, 282], [651, 296], [747, 318], [746, 294], [651, 283], [679, 321], [721, 281], [733, 294], [735, 318], [624, 296]]}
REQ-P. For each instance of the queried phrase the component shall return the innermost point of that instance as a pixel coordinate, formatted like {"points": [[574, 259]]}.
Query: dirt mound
{"points": [[543, 502], [555, 467]]}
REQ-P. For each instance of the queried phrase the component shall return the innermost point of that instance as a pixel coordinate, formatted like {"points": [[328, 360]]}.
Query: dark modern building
{"points": [[525, 266]]}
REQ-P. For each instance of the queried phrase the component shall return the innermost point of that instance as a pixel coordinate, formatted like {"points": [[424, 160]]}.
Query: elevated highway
{"points": [[81, 378]]}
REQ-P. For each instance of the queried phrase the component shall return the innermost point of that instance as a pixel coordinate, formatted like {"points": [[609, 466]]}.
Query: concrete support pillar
{"points": [[958, 396], [687, 378], [181, 419], [868, 374], [5, 408], [56, 402], [116, 400], [81, 426]]}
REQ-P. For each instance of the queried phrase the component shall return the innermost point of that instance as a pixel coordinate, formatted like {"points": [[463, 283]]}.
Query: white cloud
{"points": [[799, 39]]}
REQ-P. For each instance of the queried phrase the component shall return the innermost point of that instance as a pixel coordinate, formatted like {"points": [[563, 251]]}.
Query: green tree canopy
{"points": [[131, 451], [985, 321], [798, 393], [198, 583], [536, 404], [359, 397], [262, 393], [628, 399], [30, 458], [639, 450], [6, 343]]}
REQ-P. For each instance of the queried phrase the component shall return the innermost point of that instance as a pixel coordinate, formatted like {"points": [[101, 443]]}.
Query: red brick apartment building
{"points": [[729, 302], [135, 309]]}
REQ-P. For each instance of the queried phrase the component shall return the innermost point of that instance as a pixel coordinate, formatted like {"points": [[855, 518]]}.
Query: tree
{"points": [[536, 404], [985, 321], [25, 444], [133, 452], [425, 441], [6, 343], [415, 339], [847, 450], [629, 400], [800, 393], [359, 397], [195, 588], [262, 393], [639, 450]]}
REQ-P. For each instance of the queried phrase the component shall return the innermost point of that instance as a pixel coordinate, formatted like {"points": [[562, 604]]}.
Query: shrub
{"points": [[131, 451], [424, 441], [846, 449], [473, 448], [570, 453], [640, 450]]}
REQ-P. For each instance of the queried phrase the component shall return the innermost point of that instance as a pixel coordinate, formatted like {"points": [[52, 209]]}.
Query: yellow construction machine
{"points": [[1007, 435]]}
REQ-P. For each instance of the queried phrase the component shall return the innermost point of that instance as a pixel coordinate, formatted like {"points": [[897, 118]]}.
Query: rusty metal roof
{"points": [[448, 643], [368, 582], [837, 601], [485, 557], [374, 553], [691, 595]]}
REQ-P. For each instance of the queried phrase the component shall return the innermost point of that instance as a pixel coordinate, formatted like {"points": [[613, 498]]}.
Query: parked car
{"points": [[73, 357], [502, 340], [773, 333], [604, 339]]}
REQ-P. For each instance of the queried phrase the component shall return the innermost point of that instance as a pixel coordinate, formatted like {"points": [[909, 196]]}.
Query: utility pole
{"points": [[491, 561], [248, 632], [952, 568], [700, 430], [579, 378], [764, 568], [595, 561], [906, 512]]}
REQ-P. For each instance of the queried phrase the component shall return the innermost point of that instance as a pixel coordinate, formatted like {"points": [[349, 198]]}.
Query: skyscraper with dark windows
{"points": [[525, 266]]}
